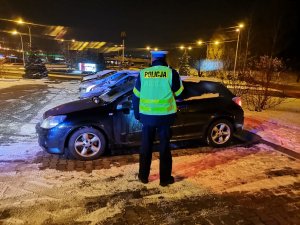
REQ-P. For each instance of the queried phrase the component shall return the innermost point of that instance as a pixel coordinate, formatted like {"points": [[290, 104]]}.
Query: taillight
{"points": [[237, 100]]}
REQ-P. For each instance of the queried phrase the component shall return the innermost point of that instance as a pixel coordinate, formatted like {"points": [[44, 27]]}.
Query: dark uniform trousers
{"points": [[165, 163]]}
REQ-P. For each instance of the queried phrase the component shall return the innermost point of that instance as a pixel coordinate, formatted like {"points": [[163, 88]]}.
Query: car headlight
{"points": [[52, 121], [90, 88]]}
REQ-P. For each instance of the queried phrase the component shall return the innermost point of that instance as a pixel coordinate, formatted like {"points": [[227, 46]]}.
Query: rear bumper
{"points": [[238, 127], [239, 122]]}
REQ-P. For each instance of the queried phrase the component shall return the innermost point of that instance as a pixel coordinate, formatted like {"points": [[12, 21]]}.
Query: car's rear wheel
{"points": [[87, 144], [219, 133]]}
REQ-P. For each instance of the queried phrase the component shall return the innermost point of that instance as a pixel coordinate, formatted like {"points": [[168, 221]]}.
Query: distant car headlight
{"points": [[90, 88], [52, 121]]}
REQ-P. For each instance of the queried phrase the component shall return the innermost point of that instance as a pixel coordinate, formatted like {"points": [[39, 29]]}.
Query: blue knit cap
{"points": [[159, 54]]}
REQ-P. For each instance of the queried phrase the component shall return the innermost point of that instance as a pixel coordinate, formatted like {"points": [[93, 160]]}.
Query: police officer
{"points": [[155, 106]]}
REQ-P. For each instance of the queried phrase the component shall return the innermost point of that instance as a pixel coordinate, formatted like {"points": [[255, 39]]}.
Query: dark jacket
{"points": [[155, 120]]}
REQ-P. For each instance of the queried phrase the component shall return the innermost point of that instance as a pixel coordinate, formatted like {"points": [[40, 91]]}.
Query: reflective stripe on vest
{"points": [[156, 96], [136, 92]]}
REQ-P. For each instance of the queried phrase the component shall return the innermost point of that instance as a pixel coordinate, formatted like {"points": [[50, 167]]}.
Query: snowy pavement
{"points": [[236, 185], [280, 126]]}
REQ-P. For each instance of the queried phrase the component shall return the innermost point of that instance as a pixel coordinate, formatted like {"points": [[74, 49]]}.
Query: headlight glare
{"points": [[90, 88], [52, 121]]}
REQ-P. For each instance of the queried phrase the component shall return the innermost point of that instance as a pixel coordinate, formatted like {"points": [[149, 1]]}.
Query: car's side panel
{"points": [[197, 114], [96, 117]]}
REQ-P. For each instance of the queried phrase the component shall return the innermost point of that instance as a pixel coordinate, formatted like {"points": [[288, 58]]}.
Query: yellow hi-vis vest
{"points": [[156, 95]]}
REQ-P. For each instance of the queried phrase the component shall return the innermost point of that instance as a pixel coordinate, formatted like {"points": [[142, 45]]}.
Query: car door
{"points": [[127, 129], [177, 128], [198, 108], [196, 116]]}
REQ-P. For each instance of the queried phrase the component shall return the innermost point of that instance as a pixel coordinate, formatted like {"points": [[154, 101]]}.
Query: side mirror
{"points": [[126, 107], [96, 100]]}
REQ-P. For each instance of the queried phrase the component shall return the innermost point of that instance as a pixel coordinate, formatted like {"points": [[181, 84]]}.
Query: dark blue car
{"points": [[89, 127]]}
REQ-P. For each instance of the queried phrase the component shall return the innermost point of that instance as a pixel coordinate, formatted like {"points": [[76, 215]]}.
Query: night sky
{"points": [[157, 23], [145, 22]]}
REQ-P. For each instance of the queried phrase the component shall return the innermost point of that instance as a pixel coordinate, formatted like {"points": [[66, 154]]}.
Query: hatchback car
{"points": [[87, 128]]}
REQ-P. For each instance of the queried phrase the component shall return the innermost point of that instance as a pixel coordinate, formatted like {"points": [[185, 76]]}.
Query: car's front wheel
{"points": [[87, 144], [220, 133]]}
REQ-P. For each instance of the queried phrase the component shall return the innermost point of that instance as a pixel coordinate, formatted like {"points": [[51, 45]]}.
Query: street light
{"points": [[15, 33], [238, 30], [21, 22], [200, 43], [149, 49], [182, 47]]}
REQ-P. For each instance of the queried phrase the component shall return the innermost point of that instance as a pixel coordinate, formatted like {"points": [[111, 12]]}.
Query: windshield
{"points": [[111, 94]]}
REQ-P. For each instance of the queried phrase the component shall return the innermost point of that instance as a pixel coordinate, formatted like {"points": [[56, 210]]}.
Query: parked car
{"points": [[97, 75], [120, 79], [108, 78], [87, 128]]}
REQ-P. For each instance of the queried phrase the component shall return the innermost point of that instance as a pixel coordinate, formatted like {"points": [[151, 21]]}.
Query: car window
{"points": [[107, 75], [127, 101], [204, 89], [119, 77], [117, 91]]}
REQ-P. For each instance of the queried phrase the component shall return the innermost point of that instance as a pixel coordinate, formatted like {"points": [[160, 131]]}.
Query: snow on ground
{"points": [[22, 151], [35, 196], [6, 83], [60, 93], [29, 195], [280, 125]]}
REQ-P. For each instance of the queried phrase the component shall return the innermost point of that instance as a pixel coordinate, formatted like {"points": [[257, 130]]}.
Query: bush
{"points": [[261, 75]]}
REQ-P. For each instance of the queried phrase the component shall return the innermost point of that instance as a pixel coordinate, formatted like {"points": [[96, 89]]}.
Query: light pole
{"points": [[200, 43], [15, 33], [123, 36], [149, 49], [20, 21], [237, 46]]}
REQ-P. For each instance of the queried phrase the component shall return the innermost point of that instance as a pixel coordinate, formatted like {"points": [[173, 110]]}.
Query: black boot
{"points": [[166, 182]]}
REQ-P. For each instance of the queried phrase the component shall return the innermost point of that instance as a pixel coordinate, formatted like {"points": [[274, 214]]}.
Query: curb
{"points": [[250, 139]]}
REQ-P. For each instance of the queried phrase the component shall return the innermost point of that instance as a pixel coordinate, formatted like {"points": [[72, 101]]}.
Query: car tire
{"points": [[87, 143], [219, 133]]}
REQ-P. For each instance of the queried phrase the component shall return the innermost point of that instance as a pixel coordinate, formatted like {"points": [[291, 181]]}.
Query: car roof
{"points": [[96, 75], [199, 79]]}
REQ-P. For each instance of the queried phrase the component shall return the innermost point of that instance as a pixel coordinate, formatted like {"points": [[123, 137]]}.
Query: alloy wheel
{"points": [[87, 144], [220, 133]]}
